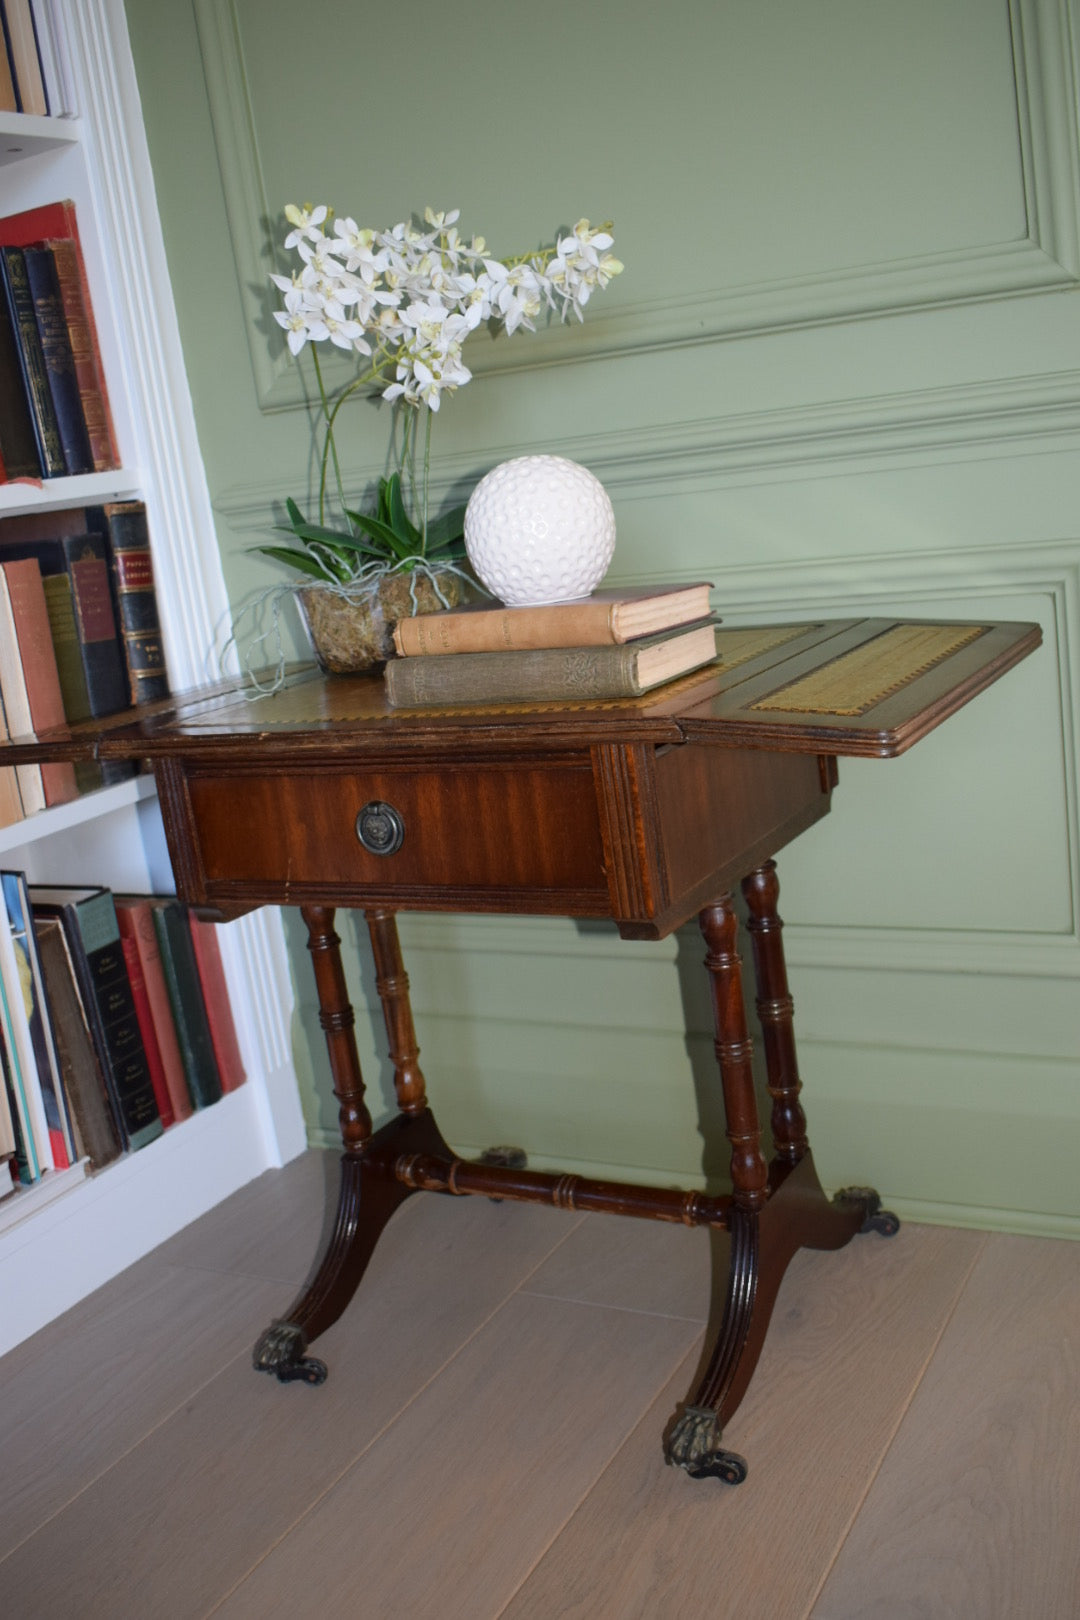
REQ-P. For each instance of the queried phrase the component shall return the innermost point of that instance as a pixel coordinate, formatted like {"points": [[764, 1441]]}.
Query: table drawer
{"points": [[465, 835]]}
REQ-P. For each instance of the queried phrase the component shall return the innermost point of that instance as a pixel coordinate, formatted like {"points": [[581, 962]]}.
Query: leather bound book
{"points": [[605, 617], [89, 919], [59, 359], [40, 674], [32, 369], [148, 1031], [89, 371], [18, 442], [186, 997], [96, 1133], [134, 598], [549, 675], [134, 914], [16, 702], [11, 808], [204, 937]]}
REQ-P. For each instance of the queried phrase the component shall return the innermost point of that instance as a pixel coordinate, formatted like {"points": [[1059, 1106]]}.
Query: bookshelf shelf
{"points": [[53, 494], [24, 135], [66, 1237]]}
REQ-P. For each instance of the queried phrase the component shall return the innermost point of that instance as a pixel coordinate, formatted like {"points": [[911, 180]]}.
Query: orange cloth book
{"points": [[605, 618], [29, 676]]}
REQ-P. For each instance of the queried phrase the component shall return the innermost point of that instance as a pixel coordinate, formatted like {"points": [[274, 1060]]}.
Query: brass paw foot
{"points": [[694, 1445], [875, 1219], [280, 1351]]}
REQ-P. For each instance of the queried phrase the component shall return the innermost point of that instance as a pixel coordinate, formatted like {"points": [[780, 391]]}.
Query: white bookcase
{"points": [[63, 1238]]}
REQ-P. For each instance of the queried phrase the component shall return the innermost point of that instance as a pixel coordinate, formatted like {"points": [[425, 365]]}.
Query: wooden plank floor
{"points": [[488, 1442]]}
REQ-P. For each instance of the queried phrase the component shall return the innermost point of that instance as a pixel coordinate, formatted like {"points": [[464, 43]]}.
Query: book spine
{"points": [[548, 676], [89, 372], [185, 996], [43, 1045], [17, 439], [25, 60], [16, 1025], [32, 362], [25, 1164], [204, 938], [59, 359], [490, 630], [147, 1031], [41, 678], [136, 921], [9, 100], [84, 1083], [125, 526], [16, 702], [86, 560], [106, 989]]}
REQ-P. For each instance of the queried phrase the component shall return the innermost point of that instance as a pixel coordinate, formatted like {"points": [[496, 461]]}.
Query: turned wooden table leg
{"points": [[392, 984], [775, 1010], [368, 1193]]}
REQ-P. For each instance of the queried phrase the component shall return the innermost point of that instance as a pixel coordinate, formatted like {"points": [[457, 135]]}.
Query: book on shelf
{"points": [[20, 38], [18, 441], [131, 571], [549, 674], [46, 1060], [8, 1139], [211, 968], [50, 224], [135, 617], [22, 1168], [147, 1030], [93, 936], [186, 999], [75, 571], [59, 357], [30, 679], [97, 1136], [607, 616], [21, 1060], [55, 55], [11, 807], [89, 374], [15, 285], [9, 101], [134, 914]]}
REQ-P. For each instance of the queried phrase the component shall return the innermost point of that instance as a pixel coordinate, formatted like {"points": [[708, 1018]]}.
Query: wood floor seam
{"points": [[902, 1412]]}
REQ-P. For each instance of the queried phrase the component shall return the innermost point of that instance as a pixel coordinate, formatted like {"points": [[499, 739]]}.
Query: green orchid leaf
{"points": [[451, 526], [315, 531], [378, 530], [399, 518], [300, 560]]}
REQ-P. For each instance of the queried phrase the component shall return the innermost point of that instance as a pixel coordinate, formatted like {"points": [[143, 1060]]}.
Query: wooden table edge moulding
{"points": [[645, 811]]}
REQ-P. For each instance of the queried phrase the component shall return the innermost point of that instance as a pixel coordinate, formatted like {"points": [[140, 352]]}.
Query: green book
{"points": [[182, 981]]}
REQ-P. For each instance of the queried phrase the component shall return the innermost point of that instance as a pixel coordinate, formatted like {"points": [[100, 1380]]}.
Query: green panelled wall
{"points": [[841, 373]]}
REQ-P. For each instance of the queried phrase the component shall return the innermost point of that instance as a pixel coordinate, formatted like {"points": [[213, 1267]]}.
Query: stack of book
{"points": [[55, 420], [614, 643], [115, 1024], [32, 60], [80, 636]]}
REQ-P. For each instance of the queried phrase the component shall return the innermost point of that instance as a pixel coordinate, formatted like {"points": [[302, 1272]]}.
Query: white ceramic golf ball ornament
{"points": [[539, 529]]}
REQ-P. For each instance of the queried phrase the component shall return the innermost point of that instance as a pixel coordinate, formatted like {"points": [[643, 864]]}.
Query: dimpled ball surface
{"points": [[539, 529]]}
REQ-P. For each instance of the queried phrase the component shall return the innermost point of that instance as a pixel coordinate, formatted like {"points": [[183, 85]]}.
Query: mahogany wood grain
{"points": [[775, 1010], [392, 986]]}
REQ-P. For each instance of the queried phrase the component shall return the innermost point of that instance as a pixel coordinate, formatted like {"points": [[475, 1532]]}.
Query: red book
{"points": [[44, 705], [147, 1030], [216, 996], [45, 224], [137, 934]]}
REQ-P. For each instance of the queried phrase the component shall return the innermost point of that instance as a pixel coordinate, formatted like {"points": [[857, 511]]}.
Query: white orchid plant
{"points": [[403, 302]]}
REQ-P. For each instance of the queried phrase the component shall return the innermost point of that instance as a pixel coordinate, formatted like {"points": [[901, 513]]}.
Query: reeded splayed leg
{"points": [[365, 1201], [775, 1010], [392, 984], [693, 1441]]}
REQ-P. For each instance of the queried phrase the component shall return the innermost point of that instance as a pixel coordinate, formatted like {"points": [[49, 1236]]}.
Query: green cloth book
{"points": [[550, 674], [186, 998]]}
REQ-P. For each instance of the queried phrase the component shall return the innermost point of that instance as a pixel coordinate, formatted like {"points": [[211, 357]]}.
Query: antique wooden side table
{"points": [[645, 811]]}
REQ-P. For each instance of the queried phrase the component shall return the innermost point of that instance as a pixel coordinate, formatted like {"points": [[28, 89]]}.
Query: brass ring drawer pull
{"points": [[380, 828]]}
